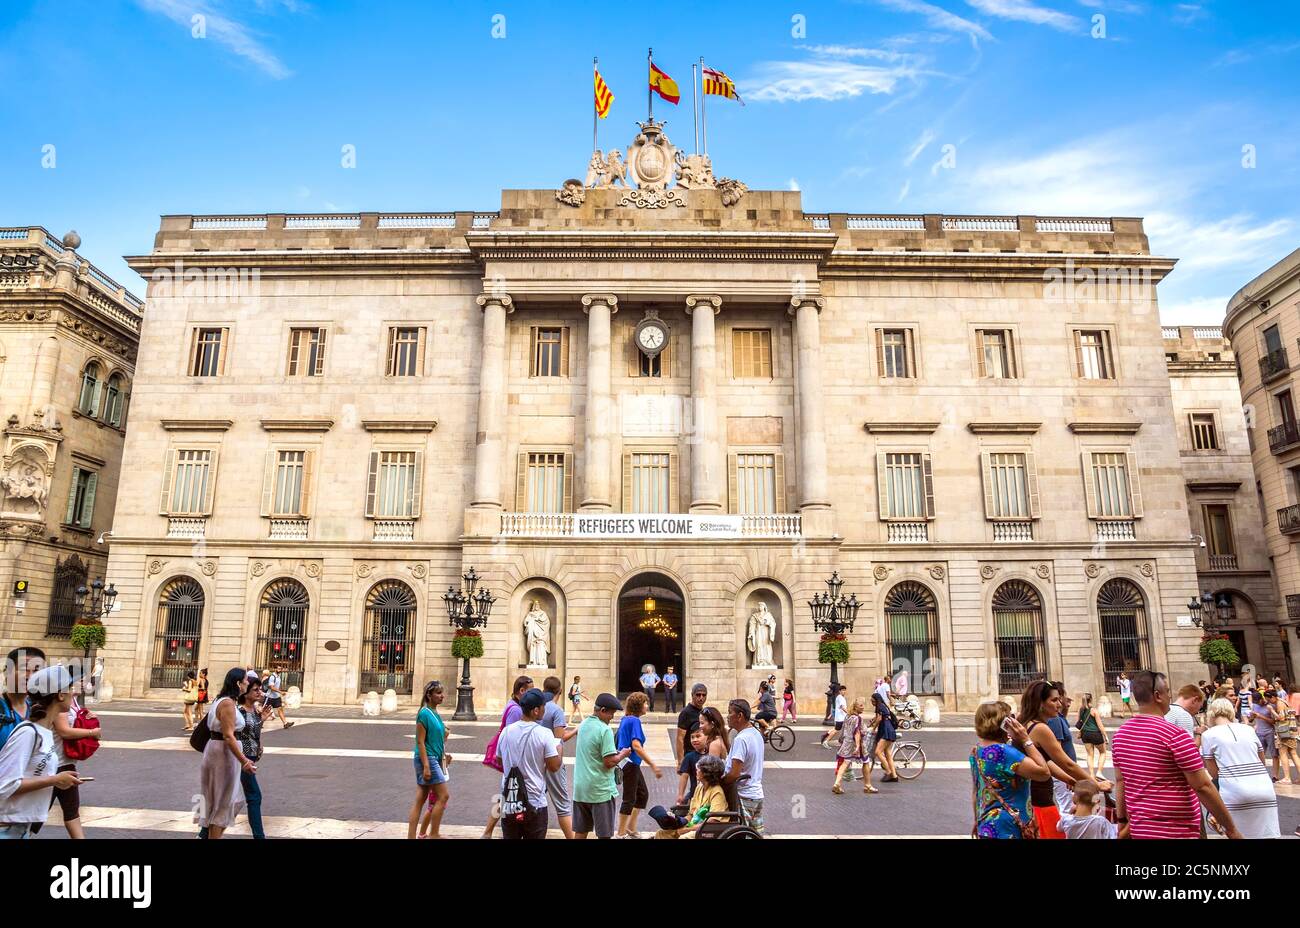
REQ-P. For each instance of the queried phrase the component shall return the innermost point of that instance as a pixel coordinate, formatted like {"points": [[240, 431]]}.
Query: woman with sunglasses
{"points": [[250, 739], [430, 764], [1040, 704]]}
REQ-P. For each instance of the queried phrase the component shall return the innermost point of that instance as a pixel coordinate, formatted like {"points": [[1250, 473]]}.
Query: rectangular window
{"points": [[1272, 339], [394, 485], [1092, 354], [756, 484], [189, 485], [904, 488], [306, 352], [651, 482], [207, 352], [1111, 484], [1286, 409], [1205, 437], [81, 498], [545, 482], [290, 473], [648, 366], [550, 352], [996, 358], [1218, 531], [1008, 475], [405, 351], [751, 353], [894, 353]]}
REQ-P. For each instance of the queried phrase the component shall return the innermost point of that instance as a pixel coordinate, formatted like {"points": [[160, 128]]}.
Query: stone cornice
{"points": [[89, 458], [297, 425], [977, 265], [1099, 427], [1214, 486], [399, 425], [626, 244], [70, 312], [273, 263], [986, 427], [196, 425], [901, 428]]}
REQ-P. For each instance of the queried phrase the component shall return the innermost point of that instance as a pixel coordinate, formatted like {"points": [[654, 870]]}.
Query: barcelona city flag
{"points": [[664, 85], [719, 85], [604, 96]]}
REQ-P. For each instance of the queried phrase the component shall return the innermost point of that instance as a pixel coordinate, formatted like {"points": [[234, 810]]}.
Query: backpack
{"points": [[490, 758], [82, 748], [514, 796]]}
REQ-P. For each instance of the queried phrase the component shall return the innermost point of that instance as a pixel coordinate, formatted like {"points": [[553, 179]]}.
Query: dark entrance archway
{"points": [[651, 629]]}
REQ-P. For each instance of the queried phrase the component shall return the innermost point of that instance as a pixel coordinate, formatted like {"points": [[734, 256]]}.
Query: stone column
{"points": [[599, 307], [47, 370], [707, 477], [491, 427], [813, 491]]}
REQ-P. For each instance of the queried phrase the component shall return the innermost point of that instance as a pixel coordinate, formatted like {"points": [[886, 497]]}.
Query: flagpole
{"points": [[704, 117], [695, 107], [649, 92], [595, 106]]}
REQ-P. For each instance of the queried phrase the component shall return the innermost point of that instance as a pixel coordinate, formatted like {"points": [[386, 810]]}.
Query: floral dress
{"points": [[849, 749], [999, 791]]}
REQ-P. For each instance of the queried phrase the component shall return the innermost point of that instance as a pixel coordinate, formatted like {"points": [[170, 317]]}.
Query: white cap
{"points": [[56, 678]]}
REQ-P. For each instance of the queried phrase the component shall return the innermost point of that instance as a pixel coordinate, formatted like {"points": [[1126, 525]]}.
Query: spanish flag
{"points": [[664, 85], [604, 96], [718, 84]]}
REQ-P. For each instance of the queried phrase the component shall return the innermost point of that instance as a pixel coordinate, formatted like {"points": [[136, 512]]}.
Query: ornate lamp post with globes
{"points": [[88, 632], [467, 611], [833, 614]]}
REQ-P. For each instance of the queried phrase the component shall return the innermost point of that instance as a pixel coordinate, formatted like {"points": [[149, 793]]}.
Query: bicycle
{"points": [[909, 759], [779, 736]]}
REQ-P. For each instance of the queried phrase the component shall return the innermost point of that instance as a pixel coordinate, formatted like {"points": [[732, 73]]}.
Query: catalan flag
{"points": [[664, 85], [718, 84], [604, 96]]}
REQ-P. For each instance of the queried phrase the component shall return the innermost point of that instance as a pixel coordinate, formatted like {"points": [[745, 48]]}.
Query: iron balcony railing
{"points": [[1273, 364], [1288, 520], [1283, 436]]}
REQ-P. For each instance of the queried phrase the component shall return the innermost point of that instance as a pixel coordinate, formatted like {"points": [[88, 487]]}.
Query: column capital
{"points": [[798, 301], [607, 299], [500, 298], [703, 299]]}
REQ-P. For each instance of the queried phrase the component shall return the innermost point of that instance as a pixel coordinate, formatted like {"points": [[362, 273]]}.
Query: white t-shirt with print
{"points": [[747, 747], [28, 753], [526, 745]]}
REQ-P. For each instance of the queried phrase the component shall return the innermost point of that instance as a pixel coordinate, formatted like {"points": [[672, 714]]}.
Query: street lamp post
{"points": [[1206, 611], [467, 610], [833, 614], [91, 605]]}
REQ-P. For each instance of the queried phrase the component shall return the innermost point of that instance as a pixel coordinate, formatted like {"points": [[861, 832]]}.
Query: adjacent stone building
{"points": [[1233, 561], [654, 420], [68, 339], [1263, 325]]}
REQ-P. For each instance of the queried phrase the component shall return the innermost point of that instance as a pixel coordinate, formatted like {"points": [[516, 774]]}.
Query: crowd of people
{"points": [[1186, 763]]}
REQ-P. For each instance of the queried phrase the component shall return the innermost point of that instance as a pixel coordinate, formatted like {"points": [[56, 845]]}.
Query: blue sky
{"points": [[852, 102]]}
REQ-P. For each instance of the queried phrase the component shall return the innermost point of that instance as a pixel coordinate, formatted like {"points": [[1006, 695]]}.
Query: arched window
{"points": [[912, 635], [1122, 615], [1018, 628], [69, 573], [177, 632], [114, 400], [282, 631], [387, 658], [88, 402]]}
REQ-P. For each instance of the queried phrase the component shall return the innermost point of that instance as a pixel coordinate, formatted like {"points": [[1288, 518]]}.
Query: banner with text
{"points": [[656, 526]]}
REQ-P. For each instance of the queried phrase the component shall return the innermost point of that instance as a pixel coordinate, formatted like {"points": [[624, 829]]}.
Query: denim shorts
{"points": [[435, 770]]}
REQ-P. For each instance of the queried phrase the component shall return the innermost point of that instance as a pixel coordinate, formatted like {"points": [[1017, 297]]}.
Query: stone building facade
{"points": [[68, 340], [1263, 326], [1233, 561], [661, 418]]}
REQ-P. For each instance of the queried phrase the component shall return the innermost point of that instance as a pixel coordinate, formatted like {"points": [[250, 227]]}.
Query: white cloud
{"points": [[233, 35], [1198, 310], [1237, 241], [854, 51], [939, 18], [1119, 6], [794, 81], [1185, 14], [919, 146], [793, 184], [1026, 12], [902, 194]]}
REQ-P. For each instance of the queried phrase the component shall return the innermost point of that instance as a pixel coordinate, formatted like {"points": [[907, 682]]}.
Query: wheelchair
{"points": [[724, 823]]}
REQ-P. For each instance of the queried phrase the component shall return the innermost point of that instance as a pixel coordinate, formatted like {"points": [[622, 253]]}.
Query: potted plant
{"points": [[833, 649], [1219, 651], [466, 644]]}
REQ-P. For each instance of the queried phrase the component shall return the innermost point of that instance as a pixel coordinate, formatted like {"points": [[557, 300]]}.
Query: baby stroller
{"points": [[908, 710]]}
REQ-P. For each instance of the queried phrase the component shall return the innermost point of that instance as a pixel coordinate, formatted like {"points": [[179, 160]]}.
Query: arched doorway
{"points": [[1018, 627], [651, 629], [388, 642], [912, 636], [282, 630], [177, 632], [1122, 615]]}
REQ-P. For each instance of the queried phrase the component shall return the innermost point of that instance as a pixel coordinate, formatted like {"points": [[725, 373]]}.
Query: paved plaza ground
{"points": [[336, 774]]}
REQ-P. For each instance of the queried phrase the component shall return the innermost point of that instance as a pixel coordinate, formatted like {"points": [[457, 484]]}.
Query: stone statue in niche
{"points": [[760, 636], [537, 635], [25, 483]]}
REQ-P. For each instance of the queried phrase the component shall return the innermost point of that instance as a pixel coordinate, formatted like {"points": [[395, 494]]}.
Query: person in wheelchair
{"points": [[708, 797], [765, 708]]}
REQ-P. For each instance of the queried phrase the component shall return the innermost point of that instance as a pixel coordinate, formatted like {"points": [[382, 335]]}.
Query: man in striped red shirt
{"points": [[1159, 774]]}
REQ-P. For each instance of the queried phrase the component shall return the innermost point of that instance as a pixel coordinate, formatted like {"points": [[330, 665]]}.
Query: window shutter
{"points": [[521, 482], [1012, 369], [390, 367], [88, 504], [564, 357], [880, 352], [1031, 482], [778, 466], [882, 486], [986, 466], [1078, 352], [72, 497], [372, 484], [909, 353], [981, 367], [308, 478], [320, 355], [1134, 485], [532, 351], [732, 463], [268, 483], [929, 485], [222, 350], [169, 469], [1108, 353], [568, 475], [1089, 485], [627, 482], [193, 368], [674, 483], [421, 340], [417, 484], [210, 489]]}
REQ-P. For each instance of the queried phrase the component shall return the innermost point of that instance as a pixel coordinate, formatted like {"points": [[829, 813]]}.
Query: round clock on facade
{"points": [[651, 336]]}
